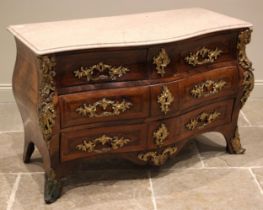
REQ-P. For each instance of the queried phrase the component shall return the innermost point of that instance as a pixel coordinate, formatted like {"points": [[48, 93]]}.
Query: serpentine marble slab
{"points": [[122, 31]]}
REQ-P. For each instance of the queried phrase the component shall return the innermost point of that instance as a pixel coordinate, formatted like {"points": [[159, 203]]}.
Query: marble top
{"points": [[122, 31]]}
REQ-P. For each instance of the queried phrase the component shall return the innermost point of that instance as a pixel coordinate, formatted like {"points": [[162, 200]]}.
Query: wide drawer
{"points": [[101, 66], [199, 88], [104, 105], [95, 141]]}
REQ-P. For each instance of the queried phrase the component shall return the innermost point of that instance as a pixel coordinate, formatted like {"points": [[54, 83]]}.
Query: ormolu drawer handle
{"points": [[100, 71], [207, 88], [161, 61], [160, 135], [202, 120], [111, 143], [203, 56], [156, 157], [108, 107], [165, 100]]}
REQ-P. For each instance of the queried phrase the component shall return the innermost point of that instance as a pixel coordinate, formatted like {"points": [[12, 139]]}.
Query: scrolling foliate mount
{"points": [[46, 108], [203, 56], [101, 71], [202, 120], [161, 61], [109, 143], [165, 99], [207, 88], [235, 144], [108, 107], [158, 158], [161, 134], [248, 76], [53, 186]]}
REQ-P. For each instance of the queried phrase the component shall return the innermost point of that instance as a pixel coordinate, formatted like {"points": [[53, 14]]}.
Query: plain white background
{"points": [[28, 11]]}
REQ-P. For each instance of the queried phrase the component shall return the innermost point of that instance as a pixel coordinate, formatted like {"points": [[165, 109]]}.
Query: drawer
{"points": [[205, 118], [199, 88], [104, 105], [96, 141], [101, 66], [164, 99]]}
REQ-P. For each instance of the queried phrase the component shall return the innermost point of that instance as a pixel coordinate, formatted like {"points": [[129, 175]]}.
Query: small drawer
{"points": [[206, 118], [203, 87], [104, 105], [163, 132], [96, 141], [164, 99], [101, 66]]}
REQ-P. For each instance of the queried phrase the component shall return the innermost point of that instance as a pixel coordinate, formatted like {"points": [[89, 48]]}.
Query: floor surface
{"points": [[202, 177]]}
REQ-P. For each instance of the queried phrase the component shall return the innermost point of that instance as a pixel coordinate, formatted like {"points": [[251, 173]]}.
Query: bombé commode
{"points": [[134, 86]]}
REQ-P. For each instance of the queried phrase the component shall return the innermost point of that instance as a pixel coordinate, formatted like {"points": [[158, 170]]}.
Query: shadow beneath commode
{"points": [[97, 174], [111, 171]]}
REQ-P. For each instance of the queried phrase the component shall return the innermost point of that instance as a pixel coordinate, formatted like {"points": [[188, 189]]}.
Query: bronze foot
{"points": [[53, 188], [28, 151], [234, 145]]}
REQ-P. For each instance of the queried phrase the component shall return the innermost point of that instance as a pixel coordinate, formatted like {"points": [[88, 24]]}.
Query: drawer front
{"points": [[104, 105], [101, 66], [205, 118], [209, 85], [96, 141], [164, 99]]}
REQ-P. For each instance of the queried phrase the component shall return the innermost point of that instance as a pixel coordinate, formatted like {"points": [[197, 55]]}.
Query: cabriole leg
{"points": [[29, 148]]}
